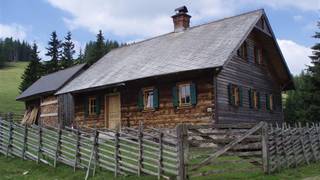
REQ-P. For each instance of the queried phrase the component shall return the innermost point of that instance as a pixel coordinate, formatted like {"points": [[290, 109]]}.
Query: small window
{"points": [[270, 102], [148, 98], [258, 59], [242, 51], [235, 95], [184, 94], [255, 99], [92, 106]]}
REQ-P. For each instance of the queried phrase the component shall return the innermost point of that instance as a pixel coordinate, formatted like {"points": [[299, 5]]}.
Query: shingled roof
{"points": [[50, 83], [200, 47]]}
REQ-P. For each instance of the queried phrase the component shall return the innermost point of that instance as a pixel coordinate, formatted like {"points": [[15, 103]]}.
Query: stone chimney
{"points": [[181, 19]]}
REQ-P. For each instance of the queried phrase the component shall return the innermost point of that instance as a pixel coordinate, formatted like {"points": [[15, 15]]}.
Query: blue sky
{"points": [[293, 22]]}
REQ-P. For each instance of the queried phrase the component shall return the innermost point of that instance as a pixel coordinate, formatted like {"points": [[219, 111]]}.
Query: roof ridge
{"points": [[211, 22], [82, 64]]}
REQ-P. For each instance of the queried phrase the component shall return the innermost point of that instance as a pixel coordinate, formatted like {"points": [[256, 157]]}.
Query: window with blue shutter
{"points": [[230, 94], [193, 93], [98, 104], [85, 106], [240, 96], [259, 100], [175, 98], [155, 98], [250, 98], [140, 100]]}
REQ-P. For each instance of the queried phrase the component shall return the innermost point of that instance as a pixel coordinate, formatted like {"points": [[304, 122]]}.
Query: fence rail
{"points": [[118, 151]]}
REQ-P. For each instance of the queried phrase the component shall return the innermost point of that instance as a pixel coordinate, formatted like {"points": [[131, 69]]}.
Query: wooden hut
{"points": [[226, 71], [42, 106]]}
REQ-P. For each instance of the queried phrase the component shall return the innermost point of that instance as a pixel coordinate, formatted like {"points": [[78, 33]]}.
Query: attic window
{"points": [[242, 51], [258, 58]]}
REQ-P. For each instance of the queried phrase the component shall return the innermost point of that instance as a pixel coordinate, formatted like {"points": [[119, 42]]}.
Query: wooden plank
{"points": [[140, 148], [160, 162], [116, 153], [265, 149], [58, 146], [182, 136], [227, 147]]}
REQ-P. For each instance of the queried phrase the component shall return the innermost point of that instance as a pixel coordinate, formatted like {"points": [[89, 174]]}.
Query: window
{"points": [[242, 51], [270, 101], [184, 95], [92, 106], [235, 95], [148, 98], [258, 59]]}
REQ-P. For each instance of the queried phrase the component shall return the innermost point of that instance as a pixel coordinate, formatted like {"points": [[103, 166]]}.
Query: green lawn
{"points": [[16, 168], [10, 78]]}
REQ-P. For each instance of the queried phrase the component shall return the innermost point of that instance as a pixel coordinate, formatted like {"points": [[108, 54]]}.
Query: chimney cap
{"points": [[182, 9]]}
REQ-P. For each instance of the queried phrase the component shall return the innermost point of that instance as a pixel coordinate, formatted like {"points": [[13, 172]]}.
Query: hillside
{"points": [[10, 78]]}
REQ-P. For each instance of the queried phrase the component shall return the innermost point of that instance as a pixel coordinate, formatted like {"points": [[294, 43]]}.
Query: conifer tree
{"points": [[33, 71], [68, 52], [313, 111], [99, 49], [54, 52]]}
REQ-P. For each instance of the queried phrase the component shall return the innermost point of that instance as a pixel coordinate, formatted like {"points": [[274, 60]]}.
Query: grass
{"points": [[10, 78], [16, 168]]}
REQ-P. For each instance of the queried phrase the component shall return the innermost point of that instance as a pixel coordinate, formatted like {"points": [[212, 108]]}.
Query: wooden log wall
{"points": [[49, 111], [249, 75], [166, 115], [118, 151]]}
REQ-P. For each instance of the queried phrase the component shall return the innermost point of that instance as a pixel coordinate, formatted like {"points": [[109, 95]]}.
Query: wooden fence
{"points": [[290, 146], [121, 152]]}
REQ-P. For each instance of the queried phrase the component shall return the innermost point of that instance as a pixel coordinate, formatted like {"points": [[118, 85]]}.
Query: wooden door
{"points": [[113, 109]]}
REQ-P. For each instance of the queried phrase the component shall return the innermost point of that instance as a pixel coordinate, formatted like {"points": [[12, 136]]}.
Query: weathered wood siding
{"points": [[166, 115], [248, 74], [65, 109], [49, 111]]}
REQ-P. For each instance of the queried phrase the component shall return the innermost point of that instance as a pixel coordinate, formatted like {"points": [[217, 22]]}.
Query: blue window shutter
{"points": [[140, 100], [230, 93], [193, 92], [250, 98], [240, 96], [259, 100], [267, 102], [175, 99], [155, 98], [98, 104], [85, 106]]}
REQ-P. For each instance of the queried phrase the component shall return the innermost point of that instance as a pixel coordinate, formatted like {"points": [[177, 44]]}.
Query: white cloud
{"points": [[296, 55], [15, 31], [145, 18]]}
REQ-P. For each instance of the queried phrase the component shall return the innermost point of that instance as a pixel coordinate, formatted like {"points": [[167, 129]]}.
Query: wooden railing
{"points": [[290, 146], [138, 152]]}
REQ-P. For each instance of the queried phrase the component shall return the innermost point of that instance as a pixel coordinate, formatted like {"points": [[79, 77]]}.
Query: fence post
{"points": [[265, 149], [40, 143], [77, 150], [182, 143], [95, 148], [160, 164], [9, 116], [57, 147], [116, 153], [140, 155], [25, 138], [1, 135]]}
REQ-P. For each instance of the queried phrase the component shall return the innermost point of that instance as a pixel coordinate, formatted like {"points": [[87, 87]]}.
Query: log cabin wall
{"points": [[49, 111], [248, 74], [164, 116]]}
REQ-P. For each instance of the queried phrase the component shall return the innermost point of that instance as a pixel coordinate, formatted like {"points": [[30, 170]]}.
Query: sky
{"points": [[293, 21]]}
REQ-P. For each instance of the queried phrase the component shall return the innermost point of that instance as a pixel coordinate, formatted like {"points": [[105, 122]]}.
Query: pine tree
{"points": [[314, 70], [54, 52], [33, 71], [68, 52], [80, 58], [99, 49]]}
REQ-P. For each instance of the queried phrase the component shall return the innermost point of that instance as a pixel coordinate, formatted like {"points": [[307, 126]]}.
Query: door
{"points": [[113, 109]]}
